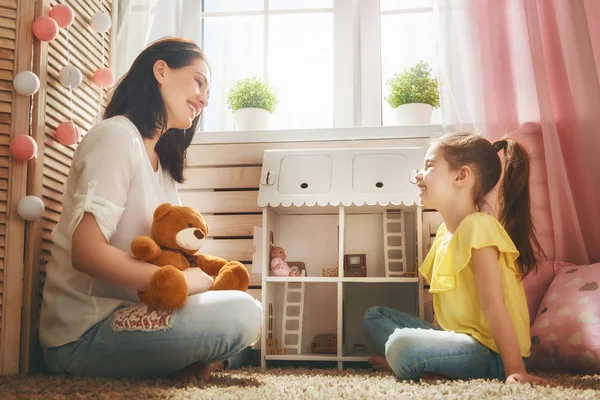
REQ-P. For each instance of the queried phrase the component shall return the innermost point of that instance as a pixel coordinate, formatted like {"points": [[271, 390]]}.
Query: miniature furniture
{"points": [[355, 265], [353, 208]]}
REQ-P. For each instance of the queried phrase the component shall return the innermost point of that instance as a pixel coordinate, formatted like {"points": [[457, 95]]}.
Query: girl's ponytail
{"points": [[514, 204]]}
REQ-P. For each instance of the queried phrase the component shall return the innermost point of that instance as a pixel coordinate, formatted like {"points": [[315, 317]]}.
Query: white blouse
{"points": [[111, 177]]}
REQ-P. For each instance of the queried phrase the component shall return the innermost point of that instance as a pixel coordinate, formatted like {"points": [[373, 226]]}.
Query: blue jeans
{"points": [[210, 327], [414, 347]]}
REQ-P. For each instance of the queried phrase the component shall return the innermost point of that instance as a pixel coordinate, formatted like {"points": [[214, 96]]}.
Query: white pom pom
{"points": [[26, 83], [30, 208], [70, 75], [100, 22]]}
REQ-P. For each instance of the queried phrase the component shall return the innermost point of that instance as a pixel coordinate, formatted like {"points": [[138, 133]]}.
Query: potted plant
{"points": [[251, 100], [414, 94]]}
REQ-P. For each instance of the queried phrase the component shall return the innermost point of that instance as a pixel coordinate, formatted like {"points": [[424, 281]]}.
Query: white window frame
{"points": [[357, 71], [371, 108]]}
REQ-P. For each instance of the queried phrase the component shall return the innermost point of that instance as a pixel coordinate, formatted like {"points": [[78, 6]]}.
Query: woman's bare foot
{"points": [[379, 363], [197, 372]]}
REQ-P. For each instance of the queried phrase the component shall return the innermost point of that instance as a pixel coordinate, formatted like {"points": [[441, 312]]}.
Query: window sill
{"points": [[311, 135]]}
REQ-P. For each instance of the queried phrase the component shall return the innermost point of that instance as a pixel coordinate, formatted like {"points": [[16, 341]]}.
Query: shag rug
{"points": [[293, 383]]}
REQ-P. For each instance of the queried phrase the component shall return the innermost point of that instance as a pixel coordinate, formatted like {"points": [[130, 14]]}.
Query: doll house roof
{"points": [[345, 176]]}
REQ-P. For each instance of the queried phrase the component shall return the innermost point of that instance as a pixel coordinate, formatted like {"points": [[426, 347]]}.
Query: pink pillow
{"points": [[566, 333], [536, 284]]}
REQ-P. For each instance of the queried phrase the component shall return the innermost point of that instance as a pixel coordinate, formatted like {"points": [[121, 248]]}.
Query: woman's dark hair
{"points": [[137, 96], [514, 200]]}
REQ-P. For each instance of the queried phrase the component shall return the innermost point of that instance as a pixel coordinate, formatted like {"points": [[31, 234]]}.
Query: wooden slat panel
{"points": [[55, 165], [53, 107], [221, 202], [56, 176], [58, 156], [9, 4], [6, 54], [51, 194], [7, 64], [51, 142], [51, 216], [230, 249], [7, 22], [5, 107], [7, 33], [232, 225], [7, 87], [252, 153], [6, 75], [222, 178], [57, 186], [7, 44], [12, 244], [52, 205]]}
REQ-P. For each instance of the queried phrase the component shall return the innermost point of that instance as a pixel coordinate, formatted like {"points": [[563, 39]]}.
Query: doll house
{"points": [[352, 218]]}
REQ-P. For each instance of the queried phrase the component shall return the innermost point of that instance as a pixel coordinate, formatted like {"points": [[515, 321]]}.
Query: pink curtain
{"points": [[532, 68]]}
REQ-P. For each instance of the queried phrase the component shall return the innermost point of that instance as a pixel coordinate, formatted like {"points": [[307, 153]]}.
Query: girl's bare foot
{"points": [[197, 372], [379, 363], [428, 376]]}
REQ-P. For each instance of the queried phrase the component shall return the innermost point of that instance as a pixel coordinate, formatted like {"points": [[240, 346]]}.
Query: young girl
{"points": [[474, 269]]}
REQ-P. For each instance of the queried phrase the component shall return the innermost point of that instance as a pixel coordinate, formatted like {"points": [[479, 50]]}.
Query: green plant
{"points": [[414, 85], [252, 92]]}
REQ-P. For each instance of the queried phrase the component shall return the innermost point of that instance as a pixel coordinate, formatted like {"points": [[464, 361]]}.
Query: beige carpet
{"points": [[254, 383]]}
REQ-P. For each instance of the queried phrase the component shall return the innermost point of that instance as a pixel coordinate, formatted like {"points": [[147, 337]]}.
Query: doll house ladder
{"points": [[394, 243], [293, 312]]}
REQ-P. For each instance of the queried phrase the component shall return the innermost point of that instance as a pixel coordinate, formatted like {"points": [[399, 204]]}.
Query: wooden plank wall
{"points": [[223, 182], [50, 174], [14, 120]]}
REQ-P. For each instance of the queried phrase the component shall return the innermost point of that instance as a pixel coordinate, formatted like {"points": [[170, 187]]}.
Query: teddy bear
{"points": [[176, 235], [279, 266]]}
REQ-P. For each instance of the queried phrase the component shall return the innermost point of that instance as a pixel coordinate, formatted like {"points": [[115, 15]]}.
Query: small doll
{"points": [[278, 265]]}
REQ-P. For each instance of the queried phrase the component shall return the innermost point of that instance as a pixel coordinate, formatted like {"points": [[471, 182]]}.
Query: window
{"points": [[408, 35], [328, 60], [287, 42]]}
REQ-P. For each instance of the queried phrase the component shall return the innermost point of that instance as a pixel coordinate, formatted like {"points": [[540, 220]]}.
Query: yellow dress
{"points": [[448, 270]]}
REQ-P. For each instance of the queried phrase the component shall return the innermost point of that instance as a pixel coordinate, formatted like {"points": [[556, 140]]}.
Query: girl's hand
{"points": [[198, 281], [526, 377]]}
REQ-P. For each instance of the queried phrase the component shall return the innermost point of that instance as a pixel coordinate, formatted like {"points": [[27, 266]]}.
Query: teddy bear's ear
{"points": [[162, 210]]}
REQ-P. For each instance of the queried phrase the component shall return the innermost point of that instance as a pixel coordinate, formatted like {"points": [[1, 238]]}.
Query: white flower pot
{"points": [[414, 114], [251, 119]]}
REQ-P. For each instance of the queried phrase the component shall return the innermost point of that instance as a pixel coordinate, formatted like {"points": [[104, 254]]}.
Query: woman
{"points": [[124, 167]]}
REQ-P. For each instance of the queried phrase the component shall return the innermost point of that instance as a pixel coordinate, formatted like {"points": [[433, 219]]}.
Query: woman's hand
{"points": [[526, 377], [198, 281]]}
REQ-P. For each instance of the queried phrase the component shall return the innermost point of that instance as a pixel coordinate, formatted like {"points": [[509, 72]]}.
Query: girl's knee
{"points": [[401, 352], [371, 313]]}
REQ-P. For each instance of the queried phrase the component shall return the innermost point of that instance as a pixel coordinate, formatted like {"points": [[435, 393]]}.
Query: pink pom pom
{"points": [[45, 29], [104, 77], [67, 133], [63, 15], [23, 148]]}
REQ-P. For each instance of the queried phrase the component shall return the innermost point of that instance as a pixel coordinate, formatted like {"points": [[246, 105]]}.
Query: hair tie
{"points": [[499, 145]]}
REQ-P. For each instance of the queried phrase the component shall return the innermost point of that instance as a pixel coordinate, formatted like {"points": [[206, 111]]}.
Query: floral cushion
{"points": [[536, 285], [566, 331]]}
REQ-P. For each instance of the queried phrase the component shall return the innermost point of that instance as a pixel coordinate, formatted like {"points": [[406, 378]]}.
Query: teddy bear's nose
{"points": [[199, 234]]}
